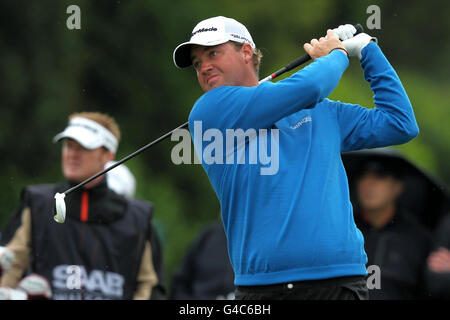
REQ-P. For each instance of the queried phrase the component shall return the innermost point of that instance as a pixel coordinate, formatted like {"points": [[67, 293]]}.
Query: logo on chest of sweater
{"points": [[301, 122]]}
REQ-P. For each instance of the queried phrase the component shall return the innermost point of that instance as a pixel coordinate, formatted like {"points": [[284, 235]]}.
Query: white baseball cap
{"points": [[89, 133], [211, 32], [121, 180]]}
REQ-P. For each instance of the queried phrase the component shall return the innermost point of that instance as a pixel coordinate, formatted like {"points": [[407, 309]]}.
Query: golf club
{"points": [[59, 212]]}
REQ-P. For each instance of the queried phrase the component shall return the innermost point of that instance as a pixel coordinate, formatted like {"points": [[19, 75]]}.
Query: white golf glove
{"points": [[355, 45], [344, 32], [6, 259], [36, 287]]}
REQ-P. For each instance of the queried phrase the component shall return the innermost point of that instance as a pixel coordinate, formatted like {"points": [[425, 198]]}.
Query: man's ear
{"points": [[247, 51]]}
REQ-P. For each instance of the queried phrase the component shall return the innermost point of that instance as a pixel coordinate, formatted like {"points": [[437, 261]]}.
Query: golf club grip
{"points": [[359, 29]]}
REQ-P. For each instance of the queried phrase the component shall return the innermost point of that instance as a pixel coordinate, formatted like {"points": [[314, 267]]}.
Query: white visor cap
{"points": [[89, 133], [211, 32]]}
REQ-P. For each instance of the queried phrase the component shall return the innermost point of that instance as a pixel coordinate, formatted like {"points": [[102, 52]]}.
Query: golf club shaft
{"points": [[132, 155], [288, 67]]}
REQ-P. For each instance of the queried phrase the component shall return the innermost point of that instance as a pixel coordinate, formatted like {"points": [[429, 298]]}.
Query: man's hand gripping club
{"points": [[350, 43], [323, 46]]}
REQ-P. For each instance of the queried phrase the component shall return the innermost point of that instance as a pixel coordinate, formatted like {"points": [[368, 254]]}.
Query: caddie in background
{"points": [[103, 249], [291, 235], [123, 182]]}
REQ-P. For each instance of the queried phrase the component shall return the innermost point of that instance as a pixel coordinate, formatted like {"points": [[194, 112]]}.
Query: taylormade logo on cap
{"points": [[211, 32], [203, 30]]}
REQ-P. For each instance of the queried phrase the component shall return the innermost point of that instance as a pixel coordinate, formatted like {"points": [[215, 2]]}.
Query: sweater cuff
{"points": [[342, 54]]}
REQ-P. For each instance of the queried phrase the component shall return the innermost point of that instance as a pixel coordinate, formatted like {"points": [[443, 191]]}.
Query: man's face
{"points": [[79, 163], [377, 192], [221, 65]]}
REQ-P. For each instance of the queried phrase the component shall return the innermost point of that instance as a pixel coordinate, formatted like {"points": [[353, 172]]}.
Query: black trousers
{"points": [[342, 288]]}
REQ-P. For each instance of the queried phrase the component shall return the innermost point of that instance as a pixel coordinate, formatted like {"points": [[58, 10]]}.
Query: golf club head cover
{"points": [[12, 294], [355, 45], [36, 287], [6, 259]]}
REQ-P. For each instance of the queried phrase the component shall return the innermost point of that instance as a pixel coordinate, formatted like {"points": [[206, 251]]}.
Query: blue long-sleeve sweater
{"points": [[297, 223]]}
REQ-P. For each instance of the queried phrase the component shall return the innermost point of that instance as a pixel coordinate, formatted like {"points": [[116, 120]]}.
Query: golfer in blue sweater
{"points": [[290, 232]]}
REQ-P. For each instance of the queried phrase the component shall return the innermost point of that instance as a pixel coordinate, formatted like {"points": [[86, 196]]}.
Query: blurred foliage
{"points": [[120, 63]]}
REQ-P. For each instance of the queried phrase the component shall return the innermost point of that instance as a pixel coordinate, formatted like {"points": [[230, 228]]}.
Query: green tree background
{"points": [[120, 63]]}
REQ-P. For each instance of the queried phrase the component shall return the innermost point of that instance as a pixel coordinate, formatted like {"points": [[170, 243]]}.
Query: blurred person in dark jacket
{"points": [[438, 262], [394, 241], [102, 250], [123, 182], [205, 272]]}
